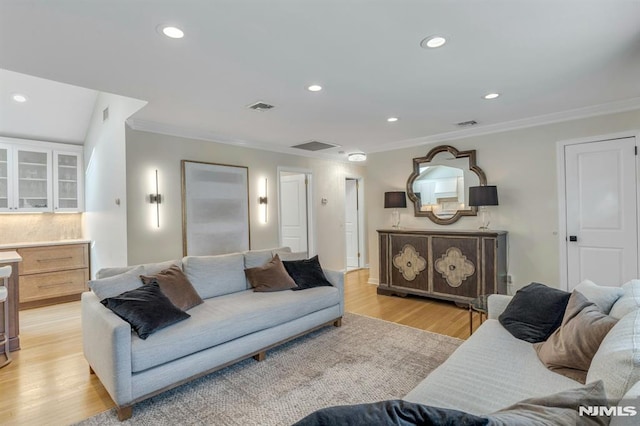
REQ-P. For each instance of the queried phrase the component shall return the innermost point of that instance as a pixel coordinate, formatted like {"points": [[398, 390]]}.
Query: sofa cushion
{"points": [[117, 284], [489, 371], [298, 255], [535, 312], [146, 308], [149, 268], [253, 258], [306, 273], [603, 296], [215, 275], [630, 300], [562, 408], [224, 318], [270, 277], [617, 361], [175, 285], [569, 350]]}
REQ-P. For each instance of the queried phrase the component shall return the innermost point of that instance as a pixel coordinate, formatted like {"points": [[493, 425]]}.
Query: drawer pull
{"points": [[54, 285], [53, 259]]}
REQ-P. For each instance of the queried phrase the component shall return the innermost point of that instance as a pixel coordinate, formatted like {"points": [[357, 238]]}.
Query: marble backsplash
{"points": [[28, 228]]}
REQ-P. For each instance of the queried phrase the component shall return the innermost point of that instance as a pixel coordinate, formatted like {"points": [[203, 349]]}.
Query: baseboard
{"points": [[373, 281]]}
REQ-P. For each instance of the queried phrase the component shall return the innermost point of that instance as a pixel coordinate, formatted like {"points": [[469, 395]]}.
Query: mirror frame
{"points": [[471, 155]]}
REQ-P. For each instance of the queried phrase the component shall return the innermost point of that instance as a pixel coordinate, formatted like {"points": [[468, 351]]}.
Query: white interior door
{"points": [[351, 224], [602, 212], [293, 211]]}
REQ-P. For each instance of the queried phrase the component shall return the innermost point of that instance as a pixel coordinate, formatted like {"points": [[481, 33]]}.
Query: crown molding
{"points": [[556, 117]]}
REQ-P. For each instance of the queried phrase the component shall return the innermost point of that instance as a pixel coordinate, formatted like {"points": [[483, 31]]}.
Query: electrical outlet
{"points": [[509, 279]]}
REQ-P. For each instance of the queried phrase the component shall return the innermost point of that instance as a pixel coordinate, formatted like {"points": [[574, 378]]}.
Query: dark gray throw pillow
{"points": [[535, 312], [146, 308], [306, 273]]}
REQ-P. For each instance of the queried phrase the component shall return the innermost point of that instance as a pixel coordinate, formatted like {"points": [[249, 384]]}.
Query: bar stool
{"points": [[5, 273]]}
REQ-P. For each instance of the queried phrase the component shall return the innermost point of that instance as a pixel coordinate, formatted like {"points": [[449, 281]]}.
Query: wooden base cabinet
{"points": [[53, 274], [449, 265]]}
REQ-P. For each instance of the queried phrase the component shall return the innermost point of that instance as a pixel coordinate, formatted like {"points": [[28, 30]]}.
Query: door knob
{"points": [[573, 238]]}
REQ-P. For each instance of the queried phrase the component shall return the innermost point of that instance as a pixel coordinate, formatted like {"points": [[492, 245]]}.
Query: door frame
{"points": [[562, 201], [361, 217], [311, 228]]}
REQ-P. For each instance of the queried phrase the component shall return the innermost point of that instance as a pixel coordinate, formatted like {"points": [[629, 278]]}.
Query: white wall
{"points": [[105, 222], [522, 163], [147, 152]]}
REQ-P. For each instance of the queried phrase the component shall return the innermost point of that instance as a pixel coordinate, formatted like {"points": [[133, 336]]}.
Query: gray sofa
{"points": [[492, 369], [232, 324]]}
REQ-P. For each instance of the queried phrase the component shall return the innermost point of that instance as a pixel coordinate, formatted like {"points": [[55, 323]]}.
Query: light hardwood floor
{"points": [[48, 382]]}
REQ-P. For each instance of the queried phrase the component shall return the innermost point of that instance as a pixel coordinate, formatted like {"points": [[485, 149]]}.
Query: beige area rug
{"points": [[365, 360]]}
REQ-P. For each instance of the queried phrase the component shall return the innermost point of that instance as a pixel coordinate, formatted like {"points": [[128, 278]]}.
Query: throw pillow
{"points": [[306, 273], [393, 412], [603, 296], [562, 408], [270, 277], [570, 349], [175, 285], [117, 284], [146, 308], [534, 312]]}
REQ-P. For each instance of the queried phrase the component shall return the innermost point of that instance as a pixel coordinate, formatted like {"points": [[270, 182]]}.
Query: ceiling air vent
{"points": [[260, 106], [314, 146], [467, 123]]}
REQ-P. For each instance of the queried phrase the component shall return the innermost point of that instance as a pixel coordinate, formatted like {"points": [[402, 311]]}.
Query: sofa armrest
{"points": [[337, 279], [106, 341], [496, 305]]}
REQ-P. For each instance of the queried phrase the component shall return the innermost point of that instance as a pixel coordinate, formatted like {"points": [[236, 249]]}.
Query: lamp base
{"points": [[395, 218], [485, 217]]}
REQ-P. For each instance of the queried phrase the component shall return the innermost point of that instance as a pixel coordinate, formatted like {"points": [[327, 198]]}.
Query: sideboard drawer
{"points": [[52, 284], [53, 258]]}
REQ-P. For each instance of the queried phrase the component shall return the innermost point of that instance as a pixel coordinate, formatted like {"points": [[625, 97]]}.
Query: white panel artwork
{"points": [[215, 208]]}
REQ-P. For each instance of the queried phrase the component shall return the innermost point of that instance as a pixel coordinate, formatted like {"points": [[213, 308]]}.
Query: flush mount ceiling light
{"points": [[19, 98], [357, 156], [171, 31], [314, 88], [392, 119], [489, 96], [432, 42]]}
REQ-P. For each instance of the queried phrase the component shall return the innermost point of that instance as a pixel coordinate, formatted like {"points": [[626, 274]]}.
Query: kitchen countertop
{"points": [[42, 243], [10, 257]]}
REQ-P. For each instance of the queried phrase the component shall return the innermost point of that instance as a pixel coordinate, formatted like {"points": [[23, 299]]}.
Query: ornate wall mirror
{"points": [[439, 184]]}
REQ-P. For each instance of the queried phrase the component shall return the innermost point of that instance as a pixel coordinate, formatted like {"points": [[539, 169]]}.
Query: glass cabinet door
{"points": [[5, 187], [34, 193], [67, 182]]}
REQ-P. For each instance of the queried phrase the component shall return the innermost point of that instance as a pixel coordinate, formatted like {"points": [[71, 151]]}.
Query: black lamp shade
{"points": [[395, 199], [486, 195]]}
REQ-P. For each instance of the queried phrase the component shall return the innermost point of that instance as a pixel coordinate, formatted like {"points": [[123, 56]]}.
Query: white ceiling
{"points": [[550, 59]]}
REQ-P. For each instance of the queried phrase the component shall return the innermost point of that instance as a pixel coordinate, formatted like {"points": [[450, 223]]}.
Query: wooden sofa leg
{"points": [[125, 412], [261, 356], [91, 370], [338, 322]]}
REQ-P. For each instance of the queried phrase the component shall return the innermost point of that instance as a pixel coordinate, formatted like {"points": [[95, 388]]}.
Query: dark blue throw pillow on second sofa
{"points": [[306, 273], [535, 312]]}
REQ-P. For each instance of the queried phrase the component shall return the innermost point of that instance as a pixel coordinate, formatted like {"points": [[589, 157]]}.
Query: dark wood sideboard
{"points": [[450, 265]]}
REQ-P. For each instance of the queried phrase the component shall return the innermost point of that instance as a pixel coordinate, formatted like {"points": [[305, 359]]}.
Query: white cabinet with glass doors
{"points": [[37, 177]]}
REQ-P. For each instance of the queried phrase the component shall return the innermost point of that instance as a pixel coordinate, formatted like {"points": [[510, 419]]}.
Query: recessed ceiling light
{"points": [[392, 119], [172, 32], [314, 88], [19, 98], [491, 95], [357, 156], [432, 42]]}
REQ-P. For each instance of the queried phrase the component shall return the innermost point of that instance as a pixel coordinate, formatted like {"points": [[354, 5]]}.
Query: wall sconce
{"points": [[156, 199], [263, 201]]}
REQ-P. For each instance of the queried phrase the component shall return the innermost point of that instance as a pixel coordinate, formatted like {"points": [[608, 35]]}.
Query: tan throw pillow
{"points": [[569, 350], [270, 277], [175, 285]]}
